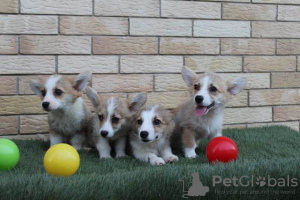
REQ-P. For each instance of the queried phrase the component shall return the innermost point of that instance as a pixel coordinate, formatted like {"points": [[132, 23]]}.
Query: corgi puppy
{"points": [[68, 118], [152, 128], [111, 121], [202, 115]]}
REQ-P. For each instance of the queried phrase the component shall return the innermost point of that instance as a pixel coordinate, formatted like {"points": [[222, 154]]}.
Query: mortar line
{"points": [[159, 8], [119, 64], [153, 83], [19, 125], [128, 26], [56, 64]]}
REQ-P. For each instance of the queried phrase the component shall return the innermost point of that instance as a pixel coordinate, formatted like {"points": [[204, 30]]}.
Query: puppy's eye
{"points": [[213, 89], [100, 117], [140, 122], [115, 120], [58, 92], [196, 87], [157, 122], [43, 92]]}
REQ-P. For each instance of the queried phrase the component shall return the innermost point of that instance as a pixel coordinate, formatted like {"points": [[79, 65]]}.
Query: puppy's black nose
{"points": [[104, 133], [199, 99], [45, 104], [144, 134]]}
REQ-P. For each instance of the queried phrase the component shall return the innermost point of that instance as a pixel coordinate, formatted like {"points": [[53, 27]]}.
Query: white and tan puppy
{"points": [[152, 128], [202, 115], [68, 118], [112, 121]]}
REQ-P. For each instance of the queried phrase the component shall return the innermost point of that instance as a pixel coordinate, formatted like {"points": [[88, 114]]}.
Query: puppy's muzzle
{"points": [[45, 105], [199, 99]]}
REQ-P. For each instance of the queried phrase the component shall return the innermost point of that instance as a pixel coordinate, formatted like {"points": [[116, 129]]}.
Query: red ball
{"points": [[221, 149]]}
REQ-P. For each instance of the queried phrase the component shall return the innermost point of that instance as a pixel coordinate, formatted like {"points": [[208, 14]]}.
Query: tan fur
{"points": [[150, 151], [71, 122], [190, 127]]}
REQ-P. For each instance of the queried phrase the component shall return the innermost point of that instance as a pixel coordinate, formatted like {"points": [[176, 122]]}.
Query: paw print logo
{"points": [[261, 181]]}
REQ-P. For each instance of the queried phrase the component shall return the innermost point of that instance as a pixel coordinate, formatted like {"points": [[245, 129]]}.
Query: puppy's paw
{"points": [[190, 155], [120, 155], [171, 158], [157, 161], [105, 157]]}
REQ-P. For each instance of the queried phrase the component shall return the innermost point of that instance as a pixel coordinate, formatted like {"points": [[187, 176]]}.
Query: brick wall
{"points": [[141, 45]]}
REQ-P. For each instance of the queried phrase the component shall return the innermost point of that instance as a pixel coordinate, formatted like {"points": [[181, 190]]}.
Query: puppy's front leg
{"points": [[189, 143], [120, 147], [103, 148], [212, 136], [167, 154], [77, 140], [55, 138]]}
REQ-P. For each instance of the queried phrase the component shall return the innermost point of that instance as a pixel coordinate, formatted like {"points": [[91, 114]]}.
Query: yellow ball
{"points": [[61, 160]]}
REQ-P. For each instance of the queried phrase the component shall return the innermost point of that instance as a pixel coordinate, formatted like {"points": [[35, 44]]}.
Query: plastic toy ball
{"points": [[9, 154], [61, 160], [221, 149]]}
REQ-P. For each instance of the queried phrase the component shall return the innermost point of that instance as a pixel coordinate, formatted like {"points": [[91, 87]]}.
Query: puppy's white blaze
{"points": [[50, 85], [147, 125], [204, 92], [111, 105]]}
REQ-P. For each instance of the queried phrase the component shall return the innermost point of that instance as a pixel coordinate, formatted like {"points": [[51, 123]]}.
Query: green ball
{"points": [[9, 154]]}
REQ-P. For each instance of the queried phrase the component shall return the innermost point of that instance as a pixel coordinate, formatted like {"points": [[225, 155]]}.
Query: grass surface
{"points": [[270, 151]]}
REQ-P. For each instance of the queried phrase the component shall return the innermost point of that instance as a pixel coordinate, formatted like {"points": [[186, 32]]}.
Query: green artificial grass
{"points": [[267, 151]]}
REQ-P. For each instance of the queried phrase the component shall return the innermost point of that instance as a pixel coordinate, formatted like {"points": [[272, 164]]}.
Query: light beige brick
{"points": [[254, 80], [123, 83], [24, 83], [94, 64], [214, 63], [269, 63], [8, 44], [93, 25], [44, 137], [298, 61], [27, 64], [70, 7], [286, 113], [277, 1], [8, 125], [276, 29], [170, 82], [143, 8], [247, 115], [125, 45], [285, 80], [189, 46], [248, 46], [292, 125], [151, 64], [8, 85], [20, 105], [190, 9], [9, 6], [217, 28], [249, 11], [288, 13], [160, 27], [274, 97], [288, 46], [55, 45], [34, 124], [240, 100], [28, 24], [168, 100]]}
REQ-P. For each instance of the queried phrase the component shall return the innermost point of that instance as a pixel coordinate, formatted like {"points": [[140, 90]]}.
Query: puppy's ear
{"points": [[137, 101], [188, 76], [236, 85], [36, 87], [81, 81], [93, 96]]}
